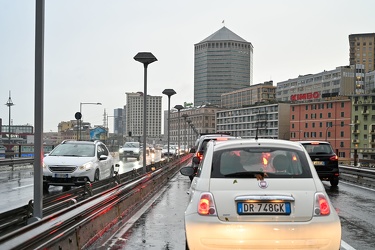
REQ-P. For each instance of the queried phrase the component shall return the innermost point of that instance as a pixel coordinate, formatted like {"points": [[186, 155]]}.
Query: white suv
{"points": [[73, 163]]}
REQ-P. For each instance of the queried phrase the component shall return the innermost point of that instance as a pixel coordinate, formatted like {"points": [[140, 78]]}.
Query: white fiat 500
{"points": [[259, 194]]}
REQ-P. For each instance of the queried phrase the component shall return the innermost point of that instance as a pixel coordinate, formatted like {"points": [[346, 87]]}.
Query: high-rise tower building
{"points": [[222, 63], [134, 115], [362, 50]]}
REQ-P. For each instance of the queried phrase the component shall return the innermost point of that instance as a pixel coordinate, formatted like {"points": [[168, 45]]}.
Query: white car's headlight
{"points": [[86, 166], [121, 151], [45, 165]]}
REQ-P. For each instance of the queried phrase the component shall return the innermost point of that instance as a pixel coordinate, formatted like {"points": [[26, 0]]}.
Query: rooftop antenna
{"points": [[223, 23]]}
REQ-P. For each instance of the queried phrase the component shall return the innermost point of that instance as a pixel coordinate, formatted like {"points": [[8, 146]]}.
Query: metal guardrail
{"points": [[17, 218], [16, 161], [79, 225], [358, 175]]}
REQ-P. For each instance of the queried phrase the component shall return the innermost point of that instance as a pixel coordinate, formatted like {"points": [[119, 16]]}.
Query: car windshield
{"points": [[131, 145], [250, 162], [318, 148], [74, 149]]}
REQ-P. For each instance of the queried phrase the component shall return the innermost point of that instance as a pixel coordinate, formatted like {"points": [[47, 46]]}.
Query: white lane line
{"points": [[23, 186], [346, 246]]}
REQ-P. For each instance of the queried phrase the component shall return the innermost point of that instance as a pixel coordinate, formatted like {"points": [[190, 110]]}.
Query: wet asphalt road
{"points": [[162, 226]]}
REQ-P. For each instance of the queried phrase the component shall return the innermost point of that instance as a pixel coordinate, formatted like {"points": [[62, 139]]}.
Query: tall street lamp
{"points": [[185, 116], [9, 104], [146, 58], [189, 122], [80, 111], [169, 93], [179, 107]]}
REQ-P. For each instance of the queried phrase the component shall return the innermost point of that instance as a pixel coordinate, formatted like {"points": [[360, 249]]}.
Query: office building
{"points": [[362, 50], [263, 121], [222, 63]]}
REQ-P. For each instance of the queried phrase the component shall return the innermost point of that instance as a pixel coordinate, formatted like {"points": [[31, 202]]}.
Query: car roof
{"points": [[80, 142], [257, 142]]}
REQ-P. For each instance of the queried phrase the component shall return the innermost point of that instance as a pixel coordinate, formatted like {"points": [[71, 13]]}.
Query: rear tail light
{"points": [[334, 158], [200, 155], [206, 205], [321, 206]]}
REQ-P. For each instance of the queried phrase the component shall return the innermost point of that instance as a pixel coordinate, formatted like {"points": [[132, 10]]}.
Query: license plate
{"points": [[263, 208], [62, 176], [321, 163]]}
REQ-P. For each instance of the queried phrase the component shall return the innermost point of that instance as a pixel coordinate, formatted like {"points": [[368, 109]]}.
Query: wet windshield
{"points": [[250, 162], [74, 150]]}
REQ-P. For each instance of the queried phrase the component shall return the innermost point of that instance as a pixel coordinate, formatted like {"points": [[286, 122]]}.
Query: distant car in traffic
{"points": [[324, 159], [258, 194], [172, 151], [200, 147], [130, 150], [74, 163]]}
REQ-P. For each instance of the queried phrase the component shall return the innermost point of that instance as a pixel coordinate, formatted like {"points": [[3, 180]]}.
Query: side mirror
{"points": [[187, 171], [103, 157]]}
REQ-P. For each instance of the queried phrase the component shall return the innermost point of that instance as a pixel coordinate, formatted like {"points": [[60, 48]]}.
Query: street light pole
{"points": [[145, 58], [189, 121], [80, 111], [9, 104], [185, 116], [169, 93], [179, 107]]}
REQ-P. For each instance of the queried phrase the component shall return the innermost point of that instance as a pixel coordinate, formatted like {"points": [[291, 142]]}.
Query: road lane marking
{"points": [[346, 246], [23, 187]]}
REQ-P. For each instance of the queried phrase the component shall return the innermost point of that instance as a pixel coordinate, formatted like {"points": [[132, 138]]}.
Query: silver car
{"points": [[258, 194]]}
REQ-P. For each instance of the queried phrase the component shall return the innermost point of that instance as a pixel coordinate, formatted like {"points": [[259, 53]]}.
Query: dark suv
{"points": [[324, 159], [200, 148]]}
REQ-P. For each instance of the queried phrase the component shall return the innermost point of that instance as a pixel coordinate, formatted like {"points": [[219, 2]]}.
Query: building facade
{"points": [[262, 92], [324, 119], [222, 63], [362, 50], [261, 121], [363, 130], [340, 81], [192, 123], [134, 116]]}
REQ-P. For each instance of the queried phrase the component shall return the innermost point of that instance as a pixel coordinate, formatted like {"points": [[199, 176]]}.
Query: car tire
{"points": [[138, 158], [334, 182], [96, 175], [66, 188], [45, 186]]}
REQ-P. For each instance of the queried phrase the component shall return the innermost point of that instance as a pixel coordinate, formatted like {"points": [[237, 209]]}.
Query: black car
{"points": [[324, 159], [200, 148]]}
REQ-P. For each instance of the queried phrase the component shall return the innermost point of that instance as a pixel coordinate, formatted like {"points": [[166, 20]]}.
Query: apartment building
{"points": [[363, 130], [340, 81], [262, 121], [323, 119], [262, 92], [134, 116], [362, 50]]}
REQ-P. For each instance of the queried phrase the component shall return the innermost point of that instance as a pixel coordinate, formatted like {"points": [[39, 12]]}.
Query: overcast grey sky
{"points": [[90, 45]]}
